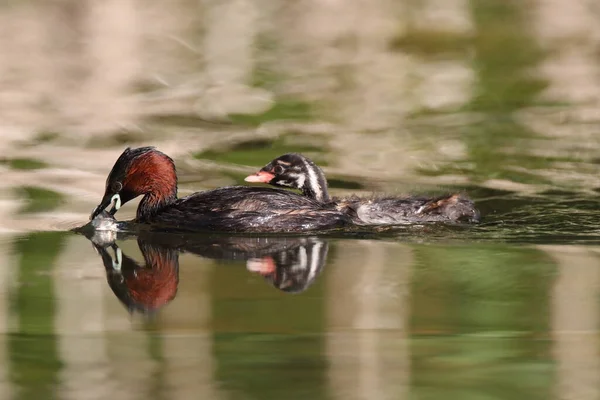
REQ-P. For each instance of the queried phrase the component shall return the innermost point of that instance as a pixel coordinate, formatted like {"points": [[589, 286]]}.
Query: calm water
{"points": [[507, 309], [496, 98]]}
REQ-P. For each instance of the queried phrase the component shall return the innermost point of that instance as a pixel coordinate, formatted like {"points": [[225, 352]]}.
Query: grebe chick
{"points": [[148, 172], [296, 171]]}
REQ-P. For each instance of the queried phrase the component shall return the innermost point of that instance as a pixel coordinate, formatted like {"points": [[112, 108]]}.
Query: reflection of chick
{"points": [[293, 270]]}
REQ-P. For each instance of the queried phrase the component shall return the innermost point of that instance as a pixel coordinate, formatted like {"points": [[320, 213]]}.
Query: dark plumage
{"points": [[247, 209], [148, 172], [296, 171]]}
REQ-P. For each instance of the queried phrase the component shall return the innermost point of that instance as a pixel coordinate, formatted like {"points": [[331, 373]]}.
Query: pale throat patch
{"points": [[117, 200], [285, 183], [298, 181]]}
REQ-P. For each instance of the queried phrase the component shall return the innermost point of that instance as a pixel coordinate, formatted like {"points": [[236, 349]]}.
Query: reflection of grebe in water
{"points": [[295, 269], [144, 288], [290, 264]]}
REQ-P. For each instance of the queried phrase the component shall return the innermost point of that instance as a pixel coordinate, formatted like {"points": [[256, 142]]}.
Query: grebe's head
{"points": [[144, 170], [295, 171]]}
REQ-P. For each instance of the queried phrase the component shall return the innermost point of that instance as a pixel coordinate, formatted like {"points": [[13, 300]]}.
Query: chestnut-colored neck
{"points": [[153, 175]]}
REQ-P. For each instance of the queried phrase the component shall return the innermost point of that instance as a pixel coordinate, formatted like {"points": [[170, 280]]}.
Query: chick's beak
{"points": [[107, 200], [260, 177]]}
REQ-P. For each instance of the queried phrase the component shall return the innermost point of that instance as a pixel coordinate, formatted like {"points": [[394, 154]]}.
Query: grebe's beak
{"points": [[260, 177], [107, 200]]}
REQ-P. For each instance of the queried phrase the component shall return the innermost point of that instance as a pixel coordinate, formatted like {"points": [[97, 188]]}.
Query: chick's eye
{"points": [[116, 187], [278, 169]]}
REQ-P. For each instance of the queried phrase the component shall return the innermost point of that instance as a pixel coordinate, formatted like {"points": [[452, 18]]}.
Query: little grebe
{"points": [[146, 171], [296, 171]]}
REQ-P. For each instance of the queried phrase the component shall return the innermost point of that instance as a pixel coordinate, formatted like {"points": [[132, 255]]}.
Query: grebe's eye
{"points": [[278, 170], [116, 187]]}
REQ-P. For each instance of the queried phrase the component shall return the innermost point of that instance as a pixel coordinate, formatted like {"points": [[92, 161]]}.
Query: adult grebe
{"points": [[148, 172]]}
